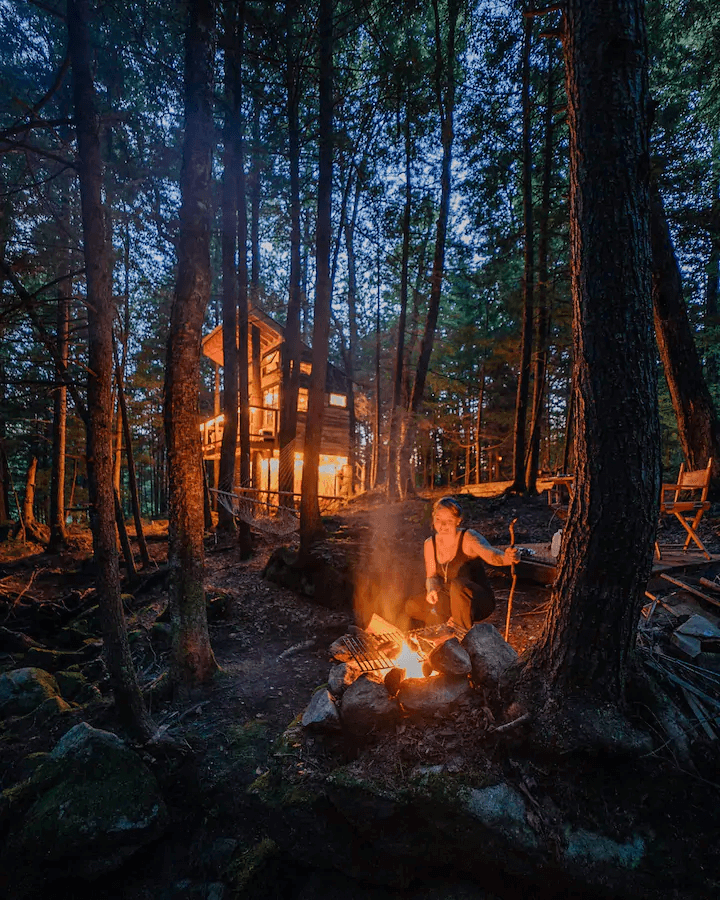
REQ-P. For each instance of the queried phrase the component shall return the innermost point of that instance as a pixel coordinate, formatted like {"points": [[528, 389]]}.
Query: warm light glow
{"points": [[410, 661], [338, 400], [212, 423]]}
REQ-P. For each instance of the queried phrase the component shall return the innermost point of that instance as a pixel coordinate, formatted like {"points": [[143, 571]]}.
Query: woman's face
{"points": [[445, 521]]}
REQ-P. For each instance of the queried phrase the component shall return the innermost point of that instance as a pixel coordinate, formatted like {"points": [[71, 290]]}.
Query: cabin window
{"points": [[271, 363], [338, 400], [302, 400], [305, 368], [271, 403]]}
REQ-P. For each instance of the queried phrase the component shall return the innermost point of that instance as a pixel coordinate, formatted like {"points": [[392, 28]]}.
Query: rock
{"points": [[393, 680], [340, 651], [437, 694], [489, 654], [502, 808], [341, 676], [90, 805], [71, 639], [321, 713], [450, 658], [15, 641], [367, 706], [585, 848], [74, 686], [24, 690]]}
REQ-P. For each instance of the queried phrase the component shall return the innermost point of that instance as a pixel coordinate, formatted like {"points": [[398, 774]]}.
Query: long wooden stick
{"points": [[514, 582], [690, 589]]}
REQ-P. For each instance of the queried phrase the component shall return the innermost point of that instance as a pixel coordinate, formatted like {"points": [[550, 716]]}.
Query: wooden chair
{"points": [[687, 501]]}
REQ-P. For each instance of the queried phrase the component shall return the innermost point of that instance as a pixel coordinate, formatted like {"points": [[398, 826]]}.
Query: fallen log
{"points": [[690, 589]]}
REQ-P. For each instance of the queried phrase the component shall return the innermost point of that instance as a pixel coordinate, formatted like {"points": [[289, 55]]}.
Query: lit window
{"points": [[303, 400], [305, 368], [338, 400]]}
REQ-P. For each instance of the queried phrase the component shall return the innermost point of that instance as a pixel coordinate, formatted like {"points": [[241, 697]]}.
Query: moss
{"points": [[252, 864], [248, 742]]}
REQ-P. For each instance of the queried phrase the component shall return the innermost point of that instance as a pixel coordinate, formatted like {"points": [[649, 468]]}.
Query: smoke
{"points": [[391, 567]]}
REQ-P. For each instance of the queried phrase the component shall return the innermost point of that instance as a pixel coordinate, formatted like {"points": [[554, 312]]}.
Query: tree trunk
{"points": [[310, 522], [607, 549], [28, 524], [353, 337], [231, 352], [445, 93], [397, 414], [697, 420], [255, 193], [519, 484], [100, 313], [132, 479], [291, 350], [244, 534], [712, 282], [58, 534], [543, 315], [193, 659], [130, 570]]}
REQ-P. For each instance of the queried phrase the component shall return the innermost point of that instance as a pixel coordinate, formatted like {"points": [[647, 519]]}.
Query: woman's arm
{"points": [[432, 581], [476, 546]]}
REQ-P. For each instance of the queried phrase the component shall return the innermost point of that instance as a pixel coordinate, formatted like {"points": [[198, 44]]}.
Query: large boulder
{"points": [[438, 694], [451, 658], [90, 805], [367, 707], [489, 654], [321, 713], [25, 690]]}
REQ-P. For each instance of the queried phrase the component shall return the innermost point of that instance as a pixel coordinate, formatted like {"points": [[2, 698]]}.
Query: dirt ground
{"points": [[272, 647]]}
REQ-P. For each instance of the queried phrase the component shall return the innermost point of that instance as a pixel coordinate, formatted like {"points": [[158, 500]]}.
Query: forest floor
{"points": [[271, 644]]}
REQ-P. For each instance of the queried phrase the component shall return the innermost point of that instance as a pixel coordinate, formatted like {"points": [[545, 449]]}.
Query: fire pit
{"points": [[381, 647], [381, 674]]}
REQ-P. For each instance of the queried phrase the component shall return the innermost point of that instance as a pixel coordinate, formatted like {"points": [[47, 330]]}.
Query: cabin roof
{"points": [[272, 334]]}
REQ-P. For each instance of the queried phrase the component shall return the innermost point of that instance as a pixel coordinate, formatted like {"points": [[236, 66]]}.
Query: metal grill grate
{"points": [[367, 651]]}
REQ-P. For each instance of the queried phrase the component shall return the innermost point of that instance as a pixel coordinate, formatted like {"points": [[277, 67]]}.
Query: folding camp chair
{"points": [[687, 501]]}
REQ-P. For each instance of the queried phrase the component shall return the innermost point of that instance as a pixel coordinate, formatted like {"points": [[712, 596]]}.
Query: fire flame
{"points": [[409, 660]]}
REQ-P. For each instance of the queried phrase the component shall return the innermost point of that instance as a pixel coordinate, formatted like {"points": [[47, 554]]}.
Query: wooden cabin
{"points": [[266, 344]]}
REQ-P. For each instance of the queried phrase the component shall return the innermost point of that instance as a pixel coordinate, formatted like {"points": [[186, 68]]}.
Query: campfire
{"points": [[381, 675]]}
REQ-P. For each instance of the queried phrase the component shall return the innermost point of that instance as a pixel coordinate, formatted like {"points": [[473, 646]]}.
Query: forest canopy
{"points": [[504, 155]]}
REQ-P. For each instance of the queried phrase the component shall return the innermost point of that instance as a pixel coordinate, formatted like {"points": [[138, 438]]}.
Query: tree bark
{"points": [[100, 313], [607, 549], [311, 526], [519, 484], [231, 352], [132, 478], [445, 94], [543, 314], [397, 414], [193, 659], [58, 533], [698, 427], [290, 384], [244, 534]]}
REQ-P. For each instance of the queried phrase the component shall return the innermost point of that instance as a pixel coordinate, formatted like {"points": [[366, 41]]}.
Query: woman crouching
{"points": [[457, 587]]}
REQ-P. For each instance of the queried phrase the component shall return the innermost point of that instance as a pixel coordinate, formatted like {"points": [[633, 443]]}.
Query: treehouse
{"points": [[266, 345]]}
